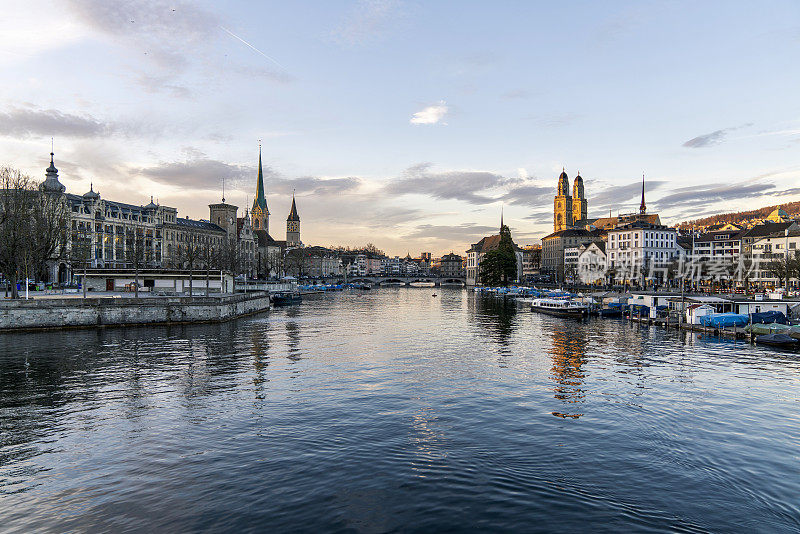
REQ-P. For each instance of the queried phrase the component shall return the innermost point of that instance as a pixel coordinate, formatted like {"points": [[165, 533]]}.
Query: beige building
{"points": [[111, 234]]}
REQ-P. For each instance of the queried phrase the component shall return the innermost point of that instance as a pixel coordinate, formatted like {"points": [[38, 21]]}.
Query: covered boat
{"points": [[614, 309], [722, 320], [762, 329], [285, 299], [777, 340], [768, 317]]}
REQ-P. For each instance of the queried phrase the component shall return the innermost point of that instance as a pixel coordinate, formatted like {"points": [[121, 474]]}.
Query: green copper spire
{"points": [[261, 200]]}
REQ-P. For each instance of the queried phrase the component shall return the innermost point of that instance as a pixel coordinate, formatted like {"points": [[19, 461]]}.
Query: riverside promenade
{"points": [[54, 312]]}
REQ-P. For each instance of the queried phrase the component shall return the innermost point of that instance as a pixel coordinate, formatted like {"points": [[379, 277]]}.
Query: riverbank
{"points": [[57, 313]]}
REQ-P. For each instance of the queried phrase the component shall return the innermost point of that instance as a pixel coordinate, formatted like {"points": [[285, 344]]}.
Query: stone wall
{"points": [[78, 312]]}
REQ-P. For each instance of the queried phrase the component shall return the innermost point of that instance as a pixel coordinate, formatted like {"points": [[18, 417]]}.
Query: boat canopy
{"points": [[768, 317], [724, 319]]}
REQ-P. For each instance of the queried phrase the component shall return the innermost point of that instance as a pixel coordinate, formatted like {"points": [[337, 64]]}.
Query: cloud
{"points": [[540, 217], [615, 196], [157, 84], [20, 122], [367, 21], [699, 195], [713, 138], [529, 195], [431, 114], [316, 186], [200, 173], [449, 185], [460, 233], [25, 122]]}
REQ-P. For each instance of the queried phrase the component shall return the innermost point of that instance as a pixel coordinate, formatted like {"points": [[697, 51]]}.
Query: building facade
{"points": [[450, 265], [110, 234], [636, 249]]}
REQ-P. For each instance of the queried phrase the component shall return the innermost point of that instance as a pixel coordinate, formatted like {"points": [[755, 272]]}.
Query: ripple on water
{"points": [[393, 411]]}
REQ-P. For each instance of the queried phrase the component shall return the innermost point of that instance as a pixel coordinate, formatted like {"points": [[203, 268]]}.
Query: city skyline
{"points": [[393, 124]]}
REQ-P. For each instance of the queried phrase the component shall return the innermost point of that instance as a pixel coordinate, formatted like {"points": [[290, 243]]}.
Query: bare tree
{"points": [[781, 267], [190, 255], [297, 261], [79, 254], [207, 254], [137, 254], [229, 257], [275, 262], [49, 230], [32, 226]]}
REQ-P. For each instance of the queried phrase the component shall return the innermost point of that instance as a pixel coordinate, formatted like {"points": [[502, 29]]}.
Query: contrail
{"points": [[251, 46]]}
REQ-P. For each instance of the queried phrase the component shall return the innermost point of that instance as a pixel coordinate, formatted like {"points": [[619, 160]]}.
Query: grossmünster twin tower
{"points": [[569, 211]]}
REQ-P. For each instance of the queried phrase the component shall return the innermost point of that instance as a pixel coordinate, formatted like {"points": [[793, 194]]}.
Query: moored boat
{"points": [[777, 340], [560, 307], [285, 299]]}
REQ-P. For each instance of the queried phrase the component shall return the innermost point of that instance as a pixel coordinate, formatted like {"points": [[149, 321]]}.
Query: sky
{"points": [[408, 124]]}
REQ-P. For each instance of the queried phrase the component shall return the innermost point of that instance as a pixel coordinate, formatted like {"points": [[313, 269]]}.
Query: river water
{"points": [[393, 410]]}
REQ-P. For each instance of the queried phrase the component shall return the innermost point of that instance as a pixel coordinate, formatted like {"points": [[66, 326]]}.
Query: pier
{"points": [[65, 312]]}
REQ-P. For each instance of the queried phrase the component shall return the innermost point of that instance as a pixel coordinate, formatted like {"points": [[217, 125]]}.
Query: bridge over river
{"points": [[396, 280]]}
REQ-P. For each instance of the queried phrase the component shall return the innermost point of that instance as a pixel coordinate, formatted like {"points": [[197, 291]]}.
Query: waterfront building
{"points": [[640, 247], [112, 234], [450, 265], [592, 262], [553, 247], [571, 263], [760, 231], [776, 248], [722, 246], [313, 262], [717, 255], [531, 262]]}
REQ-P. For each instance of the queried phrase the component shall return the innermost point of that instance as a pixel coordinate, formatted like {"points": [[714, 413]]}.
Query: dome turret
{"points": [[51, 183], [91, 194]]}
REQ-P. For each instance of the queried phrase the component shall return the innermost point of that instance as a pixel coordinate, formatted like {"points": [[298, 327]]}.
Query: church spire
{"points": [[501, 217], [642, 206], [260, 201], [293, 212]]}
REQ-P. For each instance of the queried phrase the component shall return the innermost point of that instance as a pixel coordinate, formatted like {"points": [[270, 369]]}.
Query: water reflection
{"points": [[567, 350], [495, 317]]}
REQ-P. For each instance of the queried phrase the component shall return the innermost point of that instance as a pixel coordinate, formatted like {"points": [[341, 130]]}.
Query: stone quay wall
{"points": [[48, 313]]}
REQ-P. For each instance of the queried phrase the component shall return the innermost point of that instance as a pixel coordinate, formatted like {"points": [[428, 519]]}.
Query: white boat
{"points": [[560, 307]]}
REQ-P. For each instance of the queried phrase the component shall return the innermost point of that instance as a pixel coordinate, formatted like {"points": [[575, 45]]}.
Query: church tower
{"points": [[579, 204], [293, 226], [562, 204], [259, 215]]}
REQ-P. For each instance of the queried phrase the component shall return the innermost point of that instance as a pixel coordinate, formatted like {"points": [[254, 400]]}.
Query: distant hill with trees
{"points": [[739, 217]]}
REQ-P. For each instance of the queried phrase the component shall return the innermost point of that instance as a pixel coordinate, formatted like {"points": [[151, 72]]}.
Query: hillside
{"points": [[792, 208]]}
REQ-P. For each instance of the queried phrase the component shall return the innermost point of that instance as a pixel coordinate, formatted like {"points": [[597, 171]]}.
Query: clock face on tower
{"points": [[293, 227]]}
